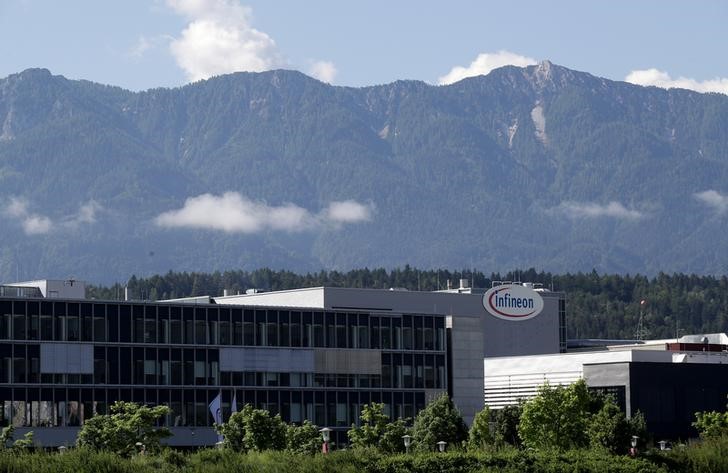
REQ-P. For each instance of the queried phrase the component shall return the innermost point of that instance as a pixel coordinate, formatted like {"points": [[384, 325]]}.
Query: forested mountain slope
{"points": [[539, 166]]}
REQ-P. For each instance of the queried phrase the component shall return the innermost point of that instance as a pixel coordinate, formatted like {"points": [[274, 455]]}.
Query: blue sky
{"points": [[161, 43]]}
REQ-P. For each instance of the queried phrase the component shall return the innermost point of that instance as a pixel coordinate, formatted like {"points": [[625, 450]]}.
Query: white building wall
{"points": [[508, 379], [312, 298], [57, 288]]}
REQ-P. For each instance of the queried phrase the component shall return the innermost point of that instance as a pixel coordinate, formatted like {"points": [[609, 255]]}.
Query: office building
{"points": [[315, 353]]}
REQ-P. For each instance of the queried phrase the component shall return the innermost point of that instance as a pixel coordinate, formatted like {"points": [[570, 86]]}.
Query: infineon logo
{"points": [[513, 302]]}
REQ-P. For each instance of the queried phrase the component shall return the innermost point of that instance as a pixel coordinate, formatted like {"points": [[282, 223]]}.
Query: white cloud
{"points": [[17, 208], [145, 44], [33, 224], [483, 64], [662, 79], [142, 46], [37, 224], [86, 214], [593, 210], [324, 71], [233, 213], [713, 199], [220, 39], [348, 211]]}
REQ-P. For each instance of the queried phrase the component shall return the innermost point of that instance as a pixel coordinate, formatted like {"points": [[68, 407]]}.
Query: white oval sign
{"points": [[513, 302]]}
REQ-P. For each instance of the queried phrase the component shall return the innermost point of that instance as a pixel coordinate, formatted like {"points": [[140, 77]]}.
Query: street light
{"points": [[407, 442], [62, 449], [633, 450], [441, 445], [326, 434], [663, 444]]}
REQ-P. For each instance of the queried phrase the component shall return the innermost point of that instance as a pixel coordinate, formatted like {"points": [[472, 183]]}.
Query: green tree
{"points": [[506, 425], [253, 429], [638, 425], [480, 436], [6, 436], [127, 424], [711, 424], [610, 429], [391, 440], [439, 421], [556, 418], [376, 430], [303, 439]]}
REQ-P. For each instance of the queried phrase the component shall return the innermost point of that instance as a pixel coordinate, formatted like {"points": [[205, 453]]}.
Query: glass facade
{"points": [[163, 353]]}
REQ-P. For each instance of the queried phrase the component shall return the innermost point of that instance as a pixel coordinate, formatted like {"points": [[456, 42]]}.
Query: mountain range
{"points": [[540, 166]]}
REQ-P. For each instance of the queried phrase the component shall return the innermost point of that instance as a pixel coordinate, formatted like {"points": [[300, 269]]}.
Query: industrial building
{"points": [[315, 353], [667, 380]]}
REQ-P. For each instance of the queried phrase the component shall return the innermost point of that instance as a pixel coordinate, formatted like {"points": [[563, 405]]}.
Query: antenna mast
{"points": [[641, 331]]}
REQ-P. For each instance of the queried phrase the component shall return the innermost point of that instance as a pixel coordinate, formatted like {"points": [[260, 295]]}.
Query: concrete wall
{"points": [[609, 375], [467, 354], [539, 335]]}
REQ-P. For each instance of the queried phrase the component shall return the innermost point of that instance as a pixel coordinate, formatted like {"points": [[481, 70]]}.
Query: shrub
{"points": [[439, 421], [303, 439], [127, 425], [480, 436], [610, 429], [711, 424], [253, 429], [556, 418], [506, 425], [377, 431]]}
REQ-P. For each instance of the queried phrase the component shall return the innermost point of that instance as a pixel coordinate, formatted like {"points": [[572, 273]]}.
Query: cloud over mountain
{"points": [[613, 209], [657, 78], [233, 213], [37, 224], [348, 211], [32, 223], [483, 64], [220, 39], [325, 71], [713, 199]]}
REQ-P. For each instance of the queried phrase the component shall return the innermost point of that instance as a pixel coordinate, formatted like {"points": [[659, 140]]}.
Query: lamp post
{"points": [[441, 445], [407, 442], [663, 444], [633, 442], [326, 434], [62, 449]]}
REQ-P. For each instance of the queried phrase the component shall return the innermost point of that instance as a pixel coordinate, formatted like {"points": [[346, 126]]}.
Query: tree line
{"points": [[559, 417], [598, 305]]}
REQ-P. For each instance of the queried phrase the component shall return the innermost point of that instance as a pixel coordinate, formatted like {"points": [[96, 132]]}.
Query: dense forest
{"points": [[598, 305]]}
